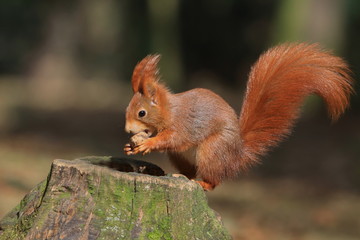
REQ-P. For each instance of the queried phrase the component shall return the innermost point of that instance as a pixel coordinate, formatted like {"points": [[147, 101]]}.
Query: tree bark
{"points": [[112, 198]]}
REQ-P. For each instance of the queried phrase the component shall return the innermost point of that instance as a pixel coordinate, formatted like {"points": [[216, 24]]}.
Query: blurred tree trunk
{"points": [[165, 39], [80, 53], [54, 72], [320, 21]]}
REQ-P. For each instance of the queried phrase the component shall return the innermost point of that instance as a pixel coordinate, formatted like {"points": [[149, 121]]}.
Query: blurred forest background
{"points": [[65, 69]]}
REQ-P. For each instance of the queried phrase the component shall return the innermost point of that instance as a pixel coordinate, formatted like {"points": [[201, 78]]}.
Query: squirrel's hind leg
{"points": [[216, 160]]}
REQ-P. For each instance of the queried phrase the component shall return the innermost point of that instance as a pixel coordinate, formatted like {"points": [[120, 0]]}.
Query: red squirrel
{"points": [[204, 137]]}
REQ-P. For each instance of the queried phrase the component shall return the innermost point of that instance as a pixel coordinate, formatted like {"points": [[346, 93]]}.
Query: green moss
{"points": [[17, 223], [90, 185], [63, 196], [12, 234], [114, 211], [161, 231]]}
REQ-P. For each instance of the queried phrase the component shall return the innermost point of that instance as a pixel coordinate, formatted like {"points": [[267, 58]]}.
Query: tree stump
{"points": [[112, 198]]}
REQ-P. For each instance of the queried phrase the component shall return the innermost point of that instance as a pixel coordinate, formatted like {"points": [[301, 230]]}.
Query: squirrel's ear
{"points": [[145, 73], [149, 85], [138, 73], [151, 91]]}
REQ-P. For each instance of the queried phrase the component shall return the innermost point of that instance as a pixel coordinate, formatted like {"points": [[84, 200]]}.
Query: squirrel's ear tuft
{"points": [[145, 74]]}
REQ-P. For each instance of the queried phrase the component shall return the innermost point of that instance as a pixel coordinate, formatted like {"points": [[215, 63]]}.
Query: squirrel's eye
{"points": [[142, 113]]}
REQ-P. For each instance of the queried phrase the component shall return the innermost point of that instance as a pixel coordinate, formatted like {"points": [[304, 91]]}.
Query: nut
{"points": [[138, 138]]}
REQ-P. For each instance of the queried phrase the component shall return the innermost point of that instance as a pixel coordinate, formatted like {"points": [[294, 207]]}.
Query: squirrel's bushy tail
{"points": [[278, 83]]}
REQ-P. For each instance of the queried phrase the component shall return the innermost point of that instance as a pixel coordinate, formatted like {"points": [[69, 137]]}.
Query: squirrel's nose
{"points": [[127, 127], [135, 127], [130, 127]]}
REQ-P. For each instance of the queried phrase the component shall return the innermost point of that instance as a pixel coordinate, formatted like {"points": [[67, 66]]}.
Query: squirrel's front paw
{"points": [[145, 147], [134, 147]]}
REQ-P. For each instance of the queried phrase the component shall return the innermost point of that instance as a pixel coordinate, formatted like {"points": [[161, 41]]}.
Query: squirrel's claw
{"points": [[205, 185], [128, 149]]}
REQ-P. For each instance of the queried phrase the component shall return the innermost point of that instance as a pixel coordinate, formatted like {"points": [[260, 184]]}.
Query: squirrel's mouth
{"points": [[150, 133], [147, 131], [135, 127]]}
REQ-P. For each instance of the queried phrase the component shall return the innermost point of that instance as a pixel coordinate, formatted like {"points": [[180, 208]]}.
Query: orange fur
{"points": [[278, 83], [201, 132], [143, 70]]}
